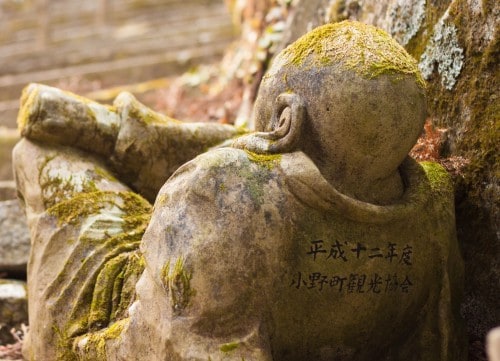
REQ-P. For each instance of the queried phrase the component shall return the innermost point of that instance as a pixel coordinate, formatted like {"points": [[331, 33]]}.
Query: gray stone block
{"points": [[14, 237]]}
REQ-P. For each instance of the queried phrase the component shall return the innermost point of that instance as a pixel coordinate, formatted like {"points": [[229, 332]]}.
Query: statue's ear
{"points": [[283, 130], [286, 123]]}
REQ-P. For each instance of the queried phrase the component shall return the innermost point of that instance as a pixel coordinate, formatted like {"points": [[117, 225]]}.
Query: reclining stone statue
{"points": [[314, 238]]}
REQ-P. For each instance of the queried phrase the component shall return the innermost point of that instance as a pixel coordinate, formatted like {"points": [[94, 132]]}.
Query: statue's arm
{"points": [[141, 146]]}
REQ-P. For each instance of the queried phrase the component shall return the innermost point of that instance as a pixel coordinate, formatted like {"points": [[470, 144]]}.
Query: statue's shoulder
{"points": [[228, 172], [230, 162]]}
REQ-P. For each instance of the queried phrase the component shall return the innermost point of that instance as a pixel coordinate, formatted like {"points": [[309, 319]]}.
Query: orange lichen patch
{"points": [[429, 145]]}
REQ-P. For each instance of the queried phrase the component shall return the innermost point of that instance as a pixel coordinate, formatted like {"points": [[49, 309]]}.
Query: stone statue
{"points": [[314, 238]]}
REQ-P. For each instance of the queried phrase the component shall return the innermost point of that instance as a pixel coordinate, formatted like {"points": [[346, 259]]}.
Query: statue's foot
{"points": [[54, 116]]}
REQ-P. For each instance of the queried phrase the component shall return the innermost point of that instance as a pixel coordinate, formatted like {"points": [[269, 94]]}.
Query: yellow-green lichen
{"points": [[104, 174], [231, 346], [268, 161], [164, 274], [439, 179], [364, 49], [98, 315], [95, 344], [137, 210], [124, 294], [58, 189], [28, 98], [58, 185], [63, 346], [147, 116], [81, 205], [177, 282], [110, 271], [102, 299]]}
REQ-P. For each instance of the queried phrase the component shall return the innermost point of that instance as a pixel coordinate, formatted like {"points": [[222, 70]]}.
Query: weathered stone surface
{"points": [[456, 44], [13, 307], [313, 238], [14, 237]]}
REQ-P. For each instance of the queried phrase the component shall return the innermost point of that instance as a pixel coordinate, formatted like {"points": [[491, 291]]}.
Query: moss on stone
{"points": [[102, 302], [64, 349], [471, 111], [28, 97], [164, 274], [231, 346], [57, 189], [95, 343], [104, 174], [439, 179], [83, 204], [137, 211], [107, 298], [109, 290], [126, 291], [268, 161], [177, 282], [364, 49], [417, 44]]}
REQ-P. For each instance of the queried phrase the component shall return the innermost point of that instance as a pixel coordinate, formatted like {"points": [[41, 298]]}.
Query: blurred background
{"points": [[84, 46], [194, 60]]}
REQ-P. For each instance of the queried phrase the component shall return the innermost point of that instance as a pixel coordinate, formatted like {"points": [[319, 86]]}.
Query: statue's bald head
{"points": [[351, 46], [363, 95]]}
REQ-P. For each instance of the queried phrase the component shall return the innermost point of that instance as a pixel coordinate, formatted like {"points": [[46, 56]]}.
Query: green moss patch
{"points": [[95, 347], [439, 178], [83, 204], [268, 161], [364, 49], [28, 98], [177, 282], [228, 347]]}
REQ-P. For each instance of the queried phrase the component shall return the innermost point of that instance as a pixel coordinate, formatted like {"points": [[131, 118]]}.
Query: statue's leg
{"points": [[85, 231]]}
